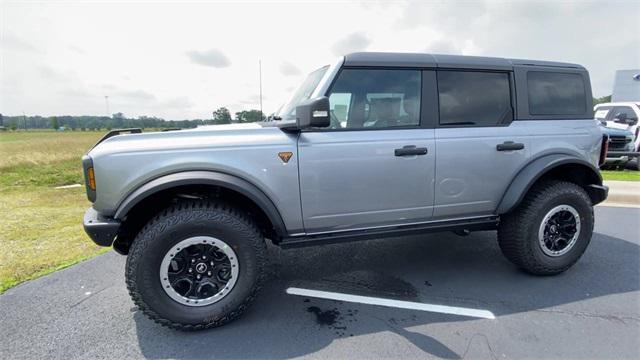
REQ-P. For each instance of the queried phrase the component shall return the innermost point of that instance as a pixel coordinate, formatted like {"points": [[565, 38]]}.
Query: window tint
{"points": [[474, 98], [362, 98], [553, 93]]}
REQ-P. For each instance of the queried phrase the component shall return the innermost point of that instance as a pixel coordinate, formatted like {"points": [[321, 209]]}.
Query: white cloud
{"points": [[213, 58], [443, 47], [351, 43], [157, 60], [288, 69]]}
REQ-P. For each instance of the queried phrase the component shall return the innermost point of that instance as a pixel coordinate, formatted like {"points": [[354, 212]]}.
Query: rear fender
{"points": [[590, 179]]}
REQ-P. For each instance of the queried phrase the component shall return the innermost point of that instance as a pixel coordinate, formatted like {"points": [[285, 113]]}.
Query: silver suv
{"points": [[375, 145]]}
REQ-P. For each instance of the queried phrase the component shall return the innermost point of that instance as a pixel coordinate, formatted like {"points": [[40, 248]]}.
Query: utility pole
{"points": [[106, 101], [260, 75], [24, 120]]}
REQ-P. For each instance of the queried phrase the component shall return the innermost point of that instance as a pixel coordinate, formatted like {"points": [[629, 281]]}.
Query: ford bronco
{"points": [[375, 145]]}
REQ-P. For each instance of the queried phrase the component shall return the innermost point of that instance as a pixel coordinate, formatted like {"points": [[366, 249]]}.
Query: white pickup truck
{"points": [[621, 115]]}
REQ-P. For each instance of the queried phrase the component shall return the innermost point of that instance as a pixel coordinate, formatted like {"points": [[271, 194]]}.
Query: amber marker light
{"points": [[92, 178]]}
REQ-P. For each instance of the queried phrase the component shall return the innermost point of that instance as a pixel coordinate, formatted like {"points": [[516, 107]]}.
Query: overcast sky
{"points": [[180, 60]]}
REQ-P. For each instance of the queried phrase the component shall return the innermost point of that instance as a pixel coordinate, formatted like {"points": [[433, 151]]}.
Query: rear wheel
{"points": [[196, 265], [549, 231]]}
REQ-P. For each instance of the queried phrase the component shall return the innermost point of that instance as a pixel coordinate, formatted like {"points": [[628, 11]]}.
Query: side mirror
{"points": [[313, 113]]}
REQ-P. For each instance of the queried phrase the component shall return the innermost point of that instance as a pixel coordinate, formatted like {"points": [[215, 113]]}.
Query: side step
{"points": [[475, 224]]}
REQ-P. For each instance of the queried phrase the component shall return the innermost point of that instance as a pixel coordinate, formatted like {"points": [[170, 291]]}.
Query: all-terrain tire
{"points": [[185, 220], [518, 230]]}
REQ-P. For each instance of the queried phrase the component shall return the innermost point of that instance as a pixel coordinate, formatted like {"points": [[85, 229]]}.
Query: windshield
{"points": [[288, 111]]}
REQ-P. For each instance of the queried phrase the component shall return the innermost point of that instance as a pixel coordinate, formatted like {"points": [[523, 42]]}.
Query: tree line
{"points": [[120, 121]]}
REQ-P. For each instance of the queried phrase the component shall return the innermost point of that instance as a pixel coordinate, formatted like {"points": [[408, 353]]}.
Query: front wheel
{"points": [[196, 265], [550, 230]]}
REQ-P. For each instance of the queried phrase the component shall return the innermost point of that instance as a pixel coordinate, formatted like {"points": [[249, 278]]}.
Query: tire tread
{"points": [[222, 212], [513, 236]]}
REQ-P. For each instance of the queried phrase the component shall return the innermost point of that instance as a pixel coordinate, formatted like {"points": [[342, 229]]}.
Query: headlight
{"points": [[89, 177]]}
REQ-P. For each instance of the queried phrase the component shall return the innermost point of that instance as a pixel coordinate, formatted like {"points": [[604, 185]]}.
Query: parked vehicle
{"points": [[620, 141], [623, 116], [375, 145]]}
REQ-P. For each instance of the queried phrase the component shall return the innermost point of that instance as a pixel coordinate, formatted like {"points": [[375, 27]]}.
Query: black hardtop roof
{"points": [[444, 61]]}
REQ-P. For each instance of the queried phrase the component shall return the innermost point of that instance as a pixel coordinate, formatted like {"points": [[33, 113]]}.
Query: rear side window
{"points": [[555, 93], [473, 98]]}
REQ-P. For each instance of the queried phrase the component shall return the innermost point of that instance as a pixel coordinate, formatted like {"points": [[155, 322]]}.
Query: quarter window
{"points": [[375, 99], [555, 93], [474, 98]]}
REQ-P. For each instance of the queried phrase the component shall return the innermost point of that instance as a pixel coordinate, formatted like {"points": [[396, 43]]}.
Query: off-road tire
{"points": [[518, 230], [180, 221]]}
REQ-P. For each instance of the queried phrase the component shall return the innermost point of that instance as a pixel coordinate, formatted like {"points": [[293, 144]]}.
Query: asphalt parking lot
{"points": [[591, 311]]}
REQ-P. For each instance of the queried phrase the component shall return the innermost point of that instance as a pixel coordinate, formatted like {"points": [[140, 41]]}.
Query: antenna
{"points": [[260, 75], [106, 101]]}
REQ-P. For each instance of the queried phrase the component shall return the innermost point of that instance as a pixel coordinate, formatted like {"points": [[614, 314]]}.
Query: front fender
{"points": [[204, 178], [537, 168]]}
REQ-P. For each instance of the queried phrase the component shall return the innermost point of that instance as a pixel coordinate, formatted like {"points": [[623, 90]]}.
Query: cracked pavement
{"points": [[591, 311]]}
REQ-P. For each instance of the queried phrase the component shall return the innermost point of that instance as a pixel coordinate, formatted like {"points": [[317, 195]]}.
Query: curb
{"points": [[623, 193]]}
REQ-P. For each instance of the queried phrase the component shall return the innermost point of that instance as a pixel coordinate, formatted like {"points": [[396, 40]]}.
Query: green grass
{"points": [[623, 175], [40, 226]]}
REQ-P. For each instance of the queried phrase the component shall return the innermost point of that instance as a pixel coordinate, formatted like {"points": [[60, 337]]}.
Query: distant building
{"points": [[626, 86]]}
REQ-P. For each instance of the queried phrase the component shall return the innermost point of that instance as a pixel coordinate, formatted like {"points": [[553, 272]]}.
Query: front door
{"points": [[374, 166]]}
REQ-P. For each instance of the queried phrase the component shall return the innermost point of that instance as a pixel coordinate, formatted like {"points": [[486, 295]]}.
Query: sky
{"points": [[183, 60]]}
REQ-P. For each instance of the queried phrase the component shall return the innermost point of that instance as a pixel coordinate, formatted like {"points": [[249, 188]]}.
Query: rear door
{"points": [[479, 147], [375, 166]]}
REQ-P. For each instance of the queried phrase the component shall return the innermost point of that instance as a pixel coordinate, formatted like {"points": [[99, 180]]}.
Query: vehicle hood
{"points": [[614, 131], [210, 136]]}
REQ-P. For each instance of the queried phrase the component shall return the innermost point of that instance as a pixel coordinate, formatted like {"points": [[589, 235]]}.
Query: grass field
{"points": [[40, 226], [624, 175]]}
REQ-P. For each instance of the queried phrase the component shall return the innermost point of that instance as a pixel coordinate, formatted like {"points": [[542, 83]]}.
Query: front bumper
{"points": [[597, 193], [621, 160], [102, 230]]}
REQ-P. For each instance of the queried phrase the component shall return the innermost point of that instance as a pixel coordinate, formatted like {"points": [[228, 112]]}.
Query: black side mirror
{"points": [[313, 113]]}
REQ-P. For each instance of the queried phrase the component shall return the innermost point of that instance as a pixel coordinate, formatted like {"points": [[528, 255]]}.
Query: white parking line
{"points": [[484, 314]]}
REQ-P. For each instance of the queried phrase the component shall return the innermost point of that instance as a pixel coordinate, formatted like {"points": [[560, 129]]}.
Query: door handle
{"points": [[409, 150], [509, 145]]}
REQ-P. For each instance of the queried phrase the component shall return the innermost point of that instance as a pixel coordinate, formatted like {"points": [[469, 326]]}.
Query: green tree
{"points": [[247, 116], [222, 116], [604, 99], [54, 123]]}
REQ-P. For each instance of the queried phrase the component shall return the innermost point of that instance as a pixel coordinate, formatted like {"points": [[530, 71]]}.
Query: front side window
{"points": [[555, 93], [375, 99], [624, 111], [474, 98]]}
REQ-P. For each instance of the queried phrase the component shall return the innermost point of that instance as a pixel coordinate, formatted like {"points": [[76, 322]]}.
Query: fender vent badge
{"points": [[285, 156]]}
